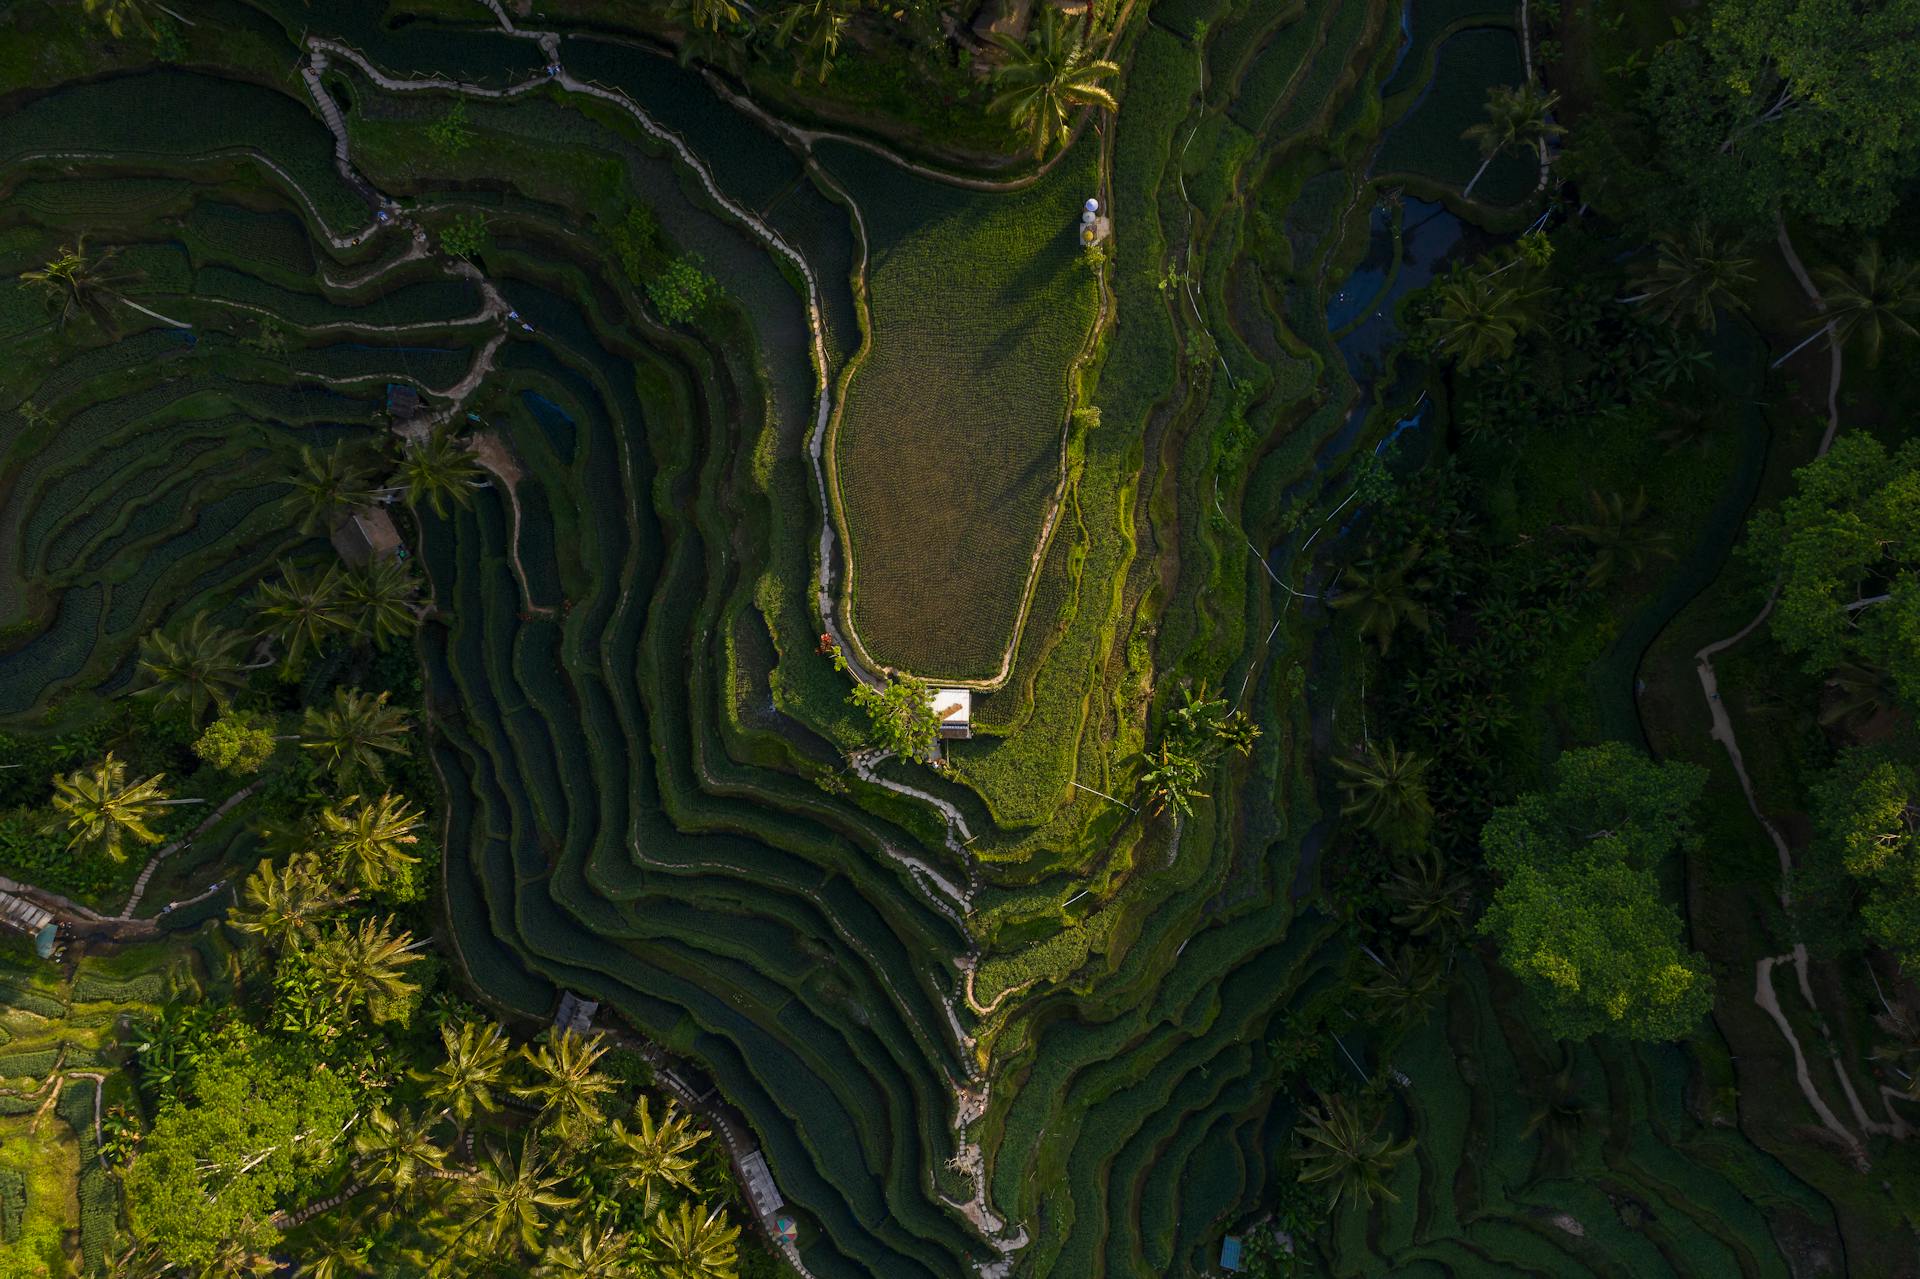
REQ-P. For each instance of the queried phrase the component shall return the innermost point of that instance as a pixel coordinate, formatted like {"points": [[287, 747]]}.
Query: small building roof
{"points": [[1230, 1253], [954, 706], [365, 535], [761, 1192]]}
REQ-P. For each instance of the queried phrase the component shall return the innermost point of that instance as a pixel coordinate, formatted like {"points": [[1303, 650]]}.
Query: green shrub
{"points": [[238, 742], [681, 290]]}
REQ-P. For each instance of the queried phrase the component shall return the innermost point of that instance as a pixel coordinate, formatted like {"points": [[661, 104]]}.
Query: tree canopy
{"points": [[1811, 107], [1579, 916], [1845, 550]]}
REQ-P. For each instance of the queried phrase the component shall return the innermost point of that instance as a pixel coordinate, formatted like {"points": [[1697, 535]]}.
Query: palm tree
{"points": [[694, 1243], [80, 283], [381, 596], [200, 666], [1045, 78], [463, 1083], [102, 808], [355, 731], [369, 843], [1517, 120], [1428, 897], [812, 28], [1386, 788], [367, 965], [1480, 318], [1172, 780], [705, 15], [597, 1252], [1876, 298], [508, 1201], [328, 483], [1383, 596], [438, 469], [1342, 1150], [1619, 536], [302, 610], [395, 1151], [654, 1155], [286, 904], [566, 1084], [1404, 983], [120, 16], [1691, 278]]}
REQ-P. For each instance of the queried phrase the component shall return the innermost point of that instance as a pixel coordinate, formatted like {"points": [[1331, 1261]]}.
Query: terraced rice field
{"points": [[1025, 1028], [947, 456]]}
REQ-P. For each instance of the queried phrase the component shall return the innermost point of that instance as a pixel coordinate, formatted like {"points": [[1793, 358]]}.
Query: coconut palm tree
{"points": [[1517, 120], [79, 283], [1479, 318], [508, 1202], [1046, 77], [327, 484], [595, 1252], [475, 1065], [812, 29], [120, 16], [1428, 897], [102, 809], [285, 904], [694, 1243], [302, 611], [1342, 1150], [566, 1084], [705, 15], [1403, 984], [200, 666], [654, 1156], [381, 595], [367, 840], [438, 470], [1618, 536], [1691, 277], [1172, 780], [355, 731], [1386, 788], [1383, 596], [366, 965], [1874, 299], [396, 1150]]}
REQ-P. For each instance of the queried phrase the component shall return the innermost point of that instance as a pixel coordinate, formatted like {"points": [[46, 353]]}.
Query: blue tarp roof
{"points": [[1229, 1253]]}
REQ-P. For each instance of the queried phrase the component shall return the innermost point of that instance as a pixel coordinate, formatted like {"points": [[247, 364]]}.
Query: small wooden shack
{"points": [[365, 535]]}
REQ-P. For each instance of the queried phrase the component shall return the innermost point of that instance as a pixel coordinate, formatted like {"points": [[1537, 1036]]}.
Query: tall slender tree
{"points": [[355, 731], [1342, 1148], [1692, 276], [656, 1156], [287, 903], [1876, 299], [1386, 595], [80, 283], [694, 1243], [567, 1083], [1046, 77], [466, 1080], [510, 1202], [380, 597], [301, 611], [1518, 119], [1386, 789], [367, 841], [199, 666], [100, 809], [327, 485], [439, 470], [367, 965]]}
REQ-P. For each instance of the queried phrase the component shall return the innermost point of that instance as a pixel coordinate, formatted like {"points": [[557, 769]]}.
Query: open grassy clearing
{"points": [[946, 455]]}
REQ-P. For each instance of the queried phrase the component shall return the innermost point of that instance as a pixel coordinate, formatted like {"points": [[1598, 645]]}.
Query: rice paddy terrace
{"points": [[982, 1020]]}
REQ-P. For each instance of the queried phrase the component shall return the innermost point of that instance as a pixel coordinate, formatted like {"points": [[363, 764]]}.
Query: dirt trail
{"points": [[1723, 732]]}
